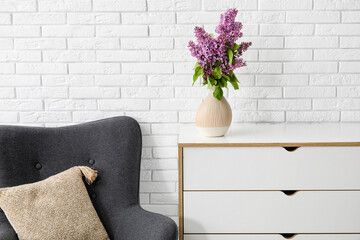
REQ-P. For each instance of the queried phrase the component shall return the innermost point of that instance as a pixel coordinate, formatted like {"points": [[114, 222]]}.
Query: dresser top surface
{"points": [[277, 133]]}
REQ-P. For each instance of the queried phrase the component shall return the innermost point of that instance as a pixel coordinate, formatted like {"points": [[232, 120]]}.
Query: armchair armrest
{"points": [[7, 232], [136, 223]]}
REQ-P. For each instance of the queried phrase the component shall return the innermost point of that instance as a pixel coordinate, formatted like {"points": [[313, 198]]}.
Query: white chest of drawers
{"points": [[270, 182]]}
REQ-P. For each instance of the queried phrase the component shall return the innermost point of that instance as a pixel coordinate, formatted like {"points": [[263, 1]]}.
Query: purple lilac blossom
{"points": [[210, 51]]}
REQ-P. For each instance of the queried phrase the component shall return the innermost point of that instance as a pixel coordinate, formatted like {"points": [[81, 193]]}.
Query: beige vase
{"points": [[213, 118]]}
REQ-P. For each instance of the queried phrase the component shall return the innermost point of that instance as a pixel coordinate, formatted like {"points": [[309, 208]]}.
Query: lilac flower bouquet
{"points": [[219, 57]]}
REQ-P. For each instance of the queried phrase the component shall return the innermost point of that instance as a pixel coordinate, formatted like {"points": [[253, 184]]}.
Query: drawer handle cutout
{"points": [[288, 235], [289, 193], [291, 149]]}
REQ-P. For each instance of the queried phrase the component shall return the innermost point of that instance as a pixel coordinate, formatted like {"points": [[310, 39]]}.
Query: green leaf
{"points": [[218, 93], [235, 85], [217, 63], [212, 35], [236, 47], [231, 56], [222, 82], [211, 81], [233, 80], [232, 75], [196, 65], [227, 78], [197, 74], [217, 72]]}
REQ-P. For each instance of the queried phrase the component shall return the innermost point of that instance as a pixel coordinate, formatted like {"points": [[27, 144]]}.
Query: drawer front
{"points": [[272, 212], [274, 237], [271, 168]]}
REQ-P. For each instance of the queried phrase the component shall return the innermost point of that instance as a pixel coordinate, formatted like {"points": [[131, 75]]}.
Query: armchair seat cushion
{"points": [[144, 225], [58, 207]]}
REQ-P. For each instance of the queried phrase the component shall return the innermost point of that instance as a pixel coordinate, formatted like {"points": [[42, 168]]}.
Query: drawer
{"points": [[271, 168], [274, 237], [272, 212]]}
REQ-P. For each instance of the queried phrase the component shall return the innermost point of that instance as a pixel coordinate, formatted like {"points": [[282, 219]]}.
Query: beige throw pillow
{"points": [[58, 207]]}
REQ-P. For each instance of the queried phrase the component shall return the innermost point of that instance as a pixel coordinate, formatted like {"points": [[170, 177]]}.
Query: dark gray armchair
{"points": [[112, 146]]}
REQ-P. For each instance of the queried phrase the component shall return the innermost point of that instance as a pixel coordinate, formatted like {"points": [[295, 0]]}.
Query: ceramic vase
{"points": [[213, 118]]}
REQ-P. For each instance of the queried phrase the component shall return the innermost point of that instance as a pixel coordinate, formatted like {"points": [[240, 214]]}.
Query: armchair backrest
{"points": [[111, 146]]}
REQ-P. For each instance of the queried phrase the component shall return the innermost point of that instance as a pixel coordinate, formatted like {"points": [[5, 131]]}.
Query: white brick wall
{"points": [[71, 61]]}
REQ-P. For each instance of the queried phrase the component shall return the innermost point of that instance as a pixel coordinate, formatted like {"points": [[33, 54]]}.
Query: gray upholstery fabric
{"points": [[7, 232], [112, 146]]}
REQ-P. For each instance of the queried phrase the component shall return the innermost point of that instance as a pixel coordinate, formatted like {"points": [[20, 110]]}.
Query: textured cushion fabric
{"points": [[112, 146], [58, 207]]}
